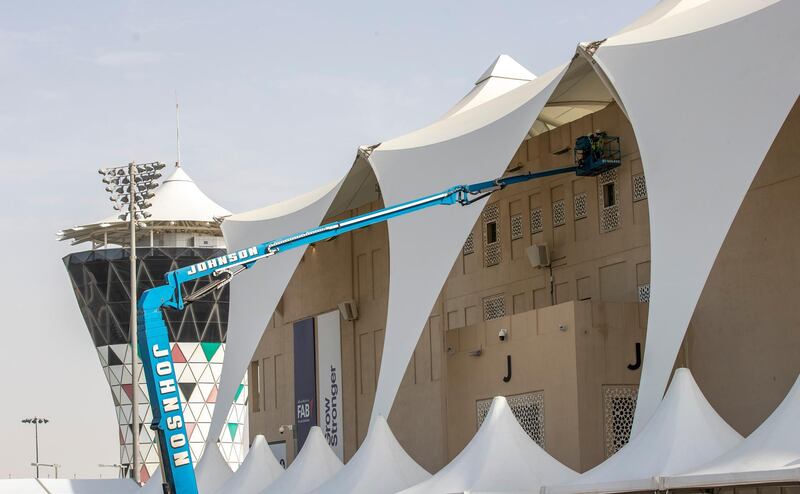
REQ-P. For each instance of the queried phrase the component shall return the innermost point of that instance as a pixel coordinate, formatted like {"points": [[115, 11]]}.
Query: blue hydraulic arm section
{"points": [[178, 473]]}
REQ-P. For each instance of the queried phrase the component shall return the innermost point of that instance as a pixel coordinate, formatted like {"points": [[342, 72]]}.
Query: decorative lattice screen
{"points": [[469, 244], [494, 307], [639, 188], [559, 213], [619, 403], [492, 250], [581, 207], [644, 292], [516, 227], [609, 215], [537, 223]]}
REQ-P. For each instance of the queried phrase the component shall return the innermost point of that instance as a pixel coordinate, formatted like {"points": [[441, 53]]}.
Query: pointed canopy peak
{"points": [[316, 439], [178, 175], [687, 418], [259, 442], [381, 434], [499, 406], [499, 417], [259, 469], [212, 470], [683, 433], [178, 198], [314, 465], [379, 466], [506, 67], [501, 457], [685, 394]]}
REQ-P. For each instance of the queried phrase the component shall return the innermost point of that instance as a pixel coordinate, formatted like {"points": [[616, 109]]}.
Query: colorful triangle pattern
{"points": [[210, 349], [198, 367]]}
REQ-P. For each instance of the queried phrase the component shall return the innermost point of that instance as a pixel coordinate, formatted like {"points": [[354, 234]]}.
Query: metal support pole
{"points": [[36, 433], [133, 334]]}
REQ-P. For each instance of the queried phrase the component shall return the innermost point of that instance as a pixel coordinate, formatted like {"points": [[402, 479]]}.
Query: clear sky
{"points": [[275, 98]]}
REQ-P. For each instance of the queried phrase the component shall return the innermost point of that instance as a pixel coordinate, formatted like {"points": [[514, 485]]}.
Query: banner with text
{"points": [[329, 368], [305, 380]]}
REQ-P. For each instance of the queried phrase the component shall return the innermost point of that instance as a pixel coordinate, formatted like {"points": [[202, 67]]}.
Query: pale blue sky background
{"points": [[275, 98]]}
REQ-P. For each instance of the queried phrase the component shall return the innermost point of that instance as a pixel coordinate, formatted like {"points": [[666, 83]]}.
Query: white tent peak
{"points": [[212, 470], [178, 202], [315, 464], [500, 457], [178, 198], [771, 454], [258, 470], [507, 68], [380, 466], [684, 432], [503, 76]]}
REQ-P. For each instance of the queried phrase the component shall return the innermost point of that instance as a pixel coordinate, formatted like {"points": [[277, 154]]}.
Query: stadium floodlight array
{"points": [[130, 188]]}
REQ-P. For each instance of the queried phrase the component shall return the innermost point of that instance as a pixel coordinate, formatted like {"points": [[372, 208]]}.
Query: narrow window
{"points": [[491, 232], [255, 386], [609, 196]]}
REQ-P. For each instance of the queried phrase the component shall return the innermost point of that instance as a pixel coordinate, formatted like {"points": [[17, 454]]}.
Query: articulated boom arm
{"points": [[225, 267], [153, 335]]}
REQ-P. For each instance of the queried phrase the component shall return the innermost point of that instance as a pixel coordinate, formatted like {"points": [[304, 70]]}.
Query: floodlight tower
{"points": [[131, 187], [36, 421]]}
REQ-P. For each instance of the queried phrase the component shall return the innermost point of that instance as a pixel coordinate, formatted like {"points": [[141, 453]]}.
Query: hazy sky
{"points": [[275, 98]]}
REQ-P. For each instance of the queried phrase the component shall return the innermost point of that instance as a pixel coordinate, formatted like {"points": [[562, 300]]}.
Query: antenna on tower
{"points": [[177, 132]]}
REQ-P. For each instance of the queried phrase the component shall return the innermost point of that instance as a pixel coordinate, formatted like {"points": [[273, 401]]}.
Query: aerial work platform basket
{"points": [[596, 153]]}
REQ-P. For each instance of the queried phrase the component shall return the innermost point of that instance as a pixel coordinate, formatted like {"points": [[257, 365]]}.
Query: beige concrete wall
{"points": [[543, 359], [568, 351], [588, 264], [606, 345]]}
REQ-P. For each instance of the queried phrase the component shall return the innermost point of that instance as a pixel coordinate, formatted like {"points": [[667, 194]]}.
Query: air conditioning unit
{"points": [[538, 255], [348, 310]]}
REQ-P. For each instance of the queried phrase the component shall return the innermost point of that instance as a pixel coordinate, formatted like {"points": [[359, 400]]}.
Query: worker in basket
{"points": [[598, 139]]}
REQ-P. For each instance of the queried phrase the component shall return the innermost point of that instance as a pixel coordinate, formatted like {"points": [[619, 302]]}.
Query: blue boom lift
{"points": [[594, 154]]}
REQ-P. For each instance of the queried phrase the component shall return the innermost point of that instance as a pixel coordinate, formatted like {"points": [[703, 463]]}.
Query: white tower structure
{"points": [[184, 228]]}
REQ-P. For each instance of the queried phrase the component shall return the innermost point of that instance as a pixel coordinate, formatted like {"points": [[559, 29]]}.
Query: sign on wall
{"points": [[329, 370], [305, 380]]}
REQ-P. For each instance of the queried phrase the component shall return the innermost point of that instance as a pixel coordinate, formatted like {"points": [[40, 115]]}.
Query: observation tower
{"points": [[183, 229]]}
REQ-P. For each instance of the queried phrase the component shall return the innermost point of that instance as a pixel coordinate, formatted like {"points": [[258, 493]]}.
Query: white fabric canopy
{"points": [[469, 146], [503, 75], [254, 295], [706, 85], [380, 466], [314, 465], [685, 431], [210, 473], [178, 198], [770, 454], [500, 457], [86, 486], [178, 202], [258, 470], [212, 470]]}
